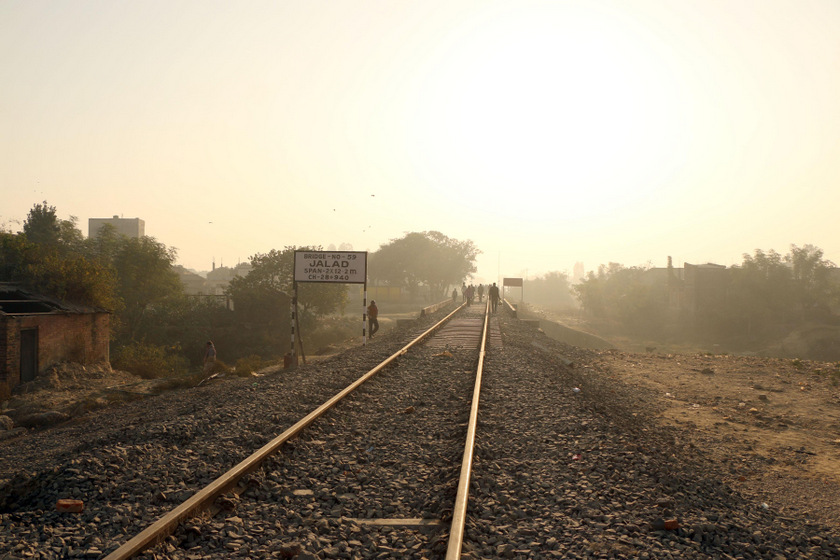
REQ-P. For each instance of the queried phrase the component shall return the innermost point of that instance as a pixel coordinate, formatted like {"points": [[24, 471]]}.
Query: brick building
{"points": [[37, 332]]}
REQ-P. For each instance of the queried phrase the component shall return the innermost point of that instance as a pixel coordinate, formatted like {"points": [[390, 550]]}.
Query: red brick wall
{"points": [[80, 338], [9, 353]]}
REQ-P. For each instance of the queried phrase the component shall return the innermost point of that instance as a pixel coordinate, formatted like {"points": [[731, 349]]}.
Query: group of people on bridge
{"points": [[468, 294]]}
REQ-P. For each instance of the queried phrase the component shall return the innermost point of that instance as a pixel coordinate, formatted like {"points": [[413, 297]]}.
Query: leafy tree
{"points": [[145, 278], [810, 275], [621, 294], [73, 278], [69, 234], [66, 276], [760, 292], [429, 258], [184, 324], [16, 253], [551, 289], [769, 293], [105, 245], [263, 294], [593, 291], [42, 226]]}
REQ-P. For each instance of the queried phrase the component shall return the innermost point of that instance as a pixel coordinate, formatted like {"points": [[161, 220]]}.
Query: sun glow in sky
{"points": [[548, 132]]}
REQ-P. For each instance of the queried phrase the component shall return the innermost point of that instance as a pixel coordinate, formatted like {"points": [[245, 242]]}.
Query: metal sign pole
{"points": [[299, 337], [364, 314], [294, 322]]}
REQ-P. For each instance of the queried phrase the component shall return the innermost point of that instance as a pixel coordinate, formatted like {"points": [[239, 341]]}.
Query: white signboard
{"points": [[344, 267]]}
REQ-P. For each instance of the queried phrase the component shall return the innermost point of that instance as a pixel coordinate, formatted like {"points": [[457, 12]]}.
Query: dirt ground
{"points": [[72, 390], [773, 423]]}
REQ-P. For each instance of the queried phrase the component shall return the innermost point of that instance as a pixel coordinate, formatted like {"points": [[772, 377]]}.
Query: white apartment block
{"points": [[130, 227]]}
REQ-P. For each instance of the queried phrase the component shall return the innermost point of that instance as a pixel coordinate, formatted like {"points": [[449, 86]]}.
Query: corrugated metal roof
{"points": [[18, 300]]}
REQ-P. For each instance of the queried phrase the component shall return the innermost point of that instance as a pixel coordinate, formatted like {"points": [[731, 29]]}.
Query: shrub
{"points": [[150, 361], [333, 331], [248, 365]]}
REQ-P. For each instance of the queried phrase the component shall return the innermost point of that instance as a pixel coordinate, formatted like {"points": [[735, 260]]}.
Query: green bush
{"points": [[150, 361]]}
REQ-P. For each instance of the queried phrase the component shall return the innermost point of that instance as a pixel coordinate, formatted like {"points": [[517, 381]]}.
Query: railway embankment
{"points": [[577, 457]]}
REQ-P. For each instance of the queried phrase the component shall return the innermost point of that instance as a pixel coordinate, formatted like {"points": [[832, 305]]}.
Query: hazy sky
{"points": [[546, 132]]}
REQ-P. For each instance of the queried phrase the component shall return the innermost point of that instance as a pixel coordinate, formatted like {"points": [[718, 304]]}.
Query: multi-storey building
{"points": [[130, 227]]}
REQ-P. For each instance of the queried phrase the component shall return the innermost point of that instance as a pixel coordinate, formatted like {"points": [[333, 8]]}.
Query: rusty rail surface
{"points": [[204, 498]]}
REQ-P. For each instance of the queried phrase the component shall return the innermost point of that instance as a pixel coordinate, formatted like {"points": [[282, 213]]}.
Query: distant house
{"points": [[37, 332], [219, 278], [692, 290], [192, 282]]}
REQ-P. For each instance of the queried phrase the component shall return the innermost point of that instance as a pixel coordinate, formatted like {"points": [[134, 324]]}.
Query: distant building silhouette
{"points": [[219, 278], [130, 227]]}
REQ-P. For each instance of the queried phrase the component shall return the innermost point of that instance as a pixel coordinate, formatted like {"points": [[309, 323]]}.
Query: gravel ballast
{"points": [[566, 466]]}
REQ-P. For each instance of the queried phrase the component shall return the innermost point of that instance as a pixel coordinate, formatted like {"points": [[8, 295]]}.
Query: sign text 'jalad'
{"points": [[345, 267]]}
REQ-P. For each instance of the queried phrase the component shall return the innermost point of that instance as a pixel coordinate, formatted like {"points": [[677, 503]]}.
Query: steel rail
{"points": [[459, 512], [166, 525]]}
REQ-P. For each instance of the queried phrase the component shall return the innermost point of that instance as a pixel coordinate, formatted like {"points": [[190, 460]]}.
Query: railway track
{"points": [[556, 472], [257, 489]]}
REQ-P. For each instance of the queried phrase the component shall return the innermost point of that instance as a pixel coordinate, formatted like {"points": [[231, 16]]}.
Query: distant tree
{"points": [[184, 324], [429, 258], [46, 270], [593, 291], [16, 254], [145, 278], [621, 294], [105, 245], [760, 293], [810, 275], [73, 278], [551, 289], [769, 293], [269, 284], [70, 236], [42, 226]]}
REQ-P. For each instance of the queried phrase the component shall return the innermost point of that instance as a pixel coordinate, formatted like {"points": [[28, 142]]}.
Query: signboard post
{"points": [[334, 267], [341, 267], [515, 283]]}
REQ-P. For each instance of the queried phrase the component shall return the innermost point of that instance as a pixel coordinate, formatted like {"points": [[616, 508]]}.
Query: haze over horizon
{"points": [[546, 132]]}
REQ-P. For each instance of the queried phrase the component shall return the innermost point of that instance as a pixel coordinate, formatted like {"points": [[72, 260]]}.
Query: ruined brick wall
{"points": [[100, 337], [80, 338], [9, 353]]}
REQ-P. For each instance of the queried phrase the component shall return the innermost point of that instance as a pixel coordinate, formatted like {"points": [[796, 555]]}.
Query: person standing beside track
{"points": [[493, 294], [209, 357], [373, 318]]}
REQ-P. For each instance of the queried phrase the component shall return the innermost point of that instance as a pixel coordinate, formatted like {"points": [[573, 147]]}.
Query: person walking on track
{"points": [[494, 297]]}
